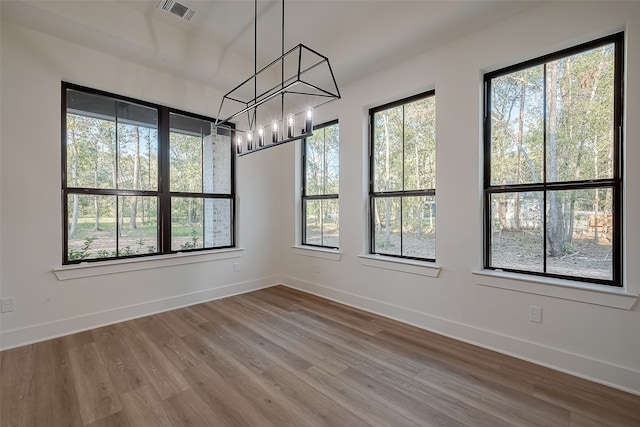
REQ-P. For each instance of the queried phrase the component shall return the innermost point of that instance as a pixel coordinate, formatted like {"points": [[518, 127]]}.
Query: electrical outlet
{"points": [[236, 267], [7, 304], [535, 314]]}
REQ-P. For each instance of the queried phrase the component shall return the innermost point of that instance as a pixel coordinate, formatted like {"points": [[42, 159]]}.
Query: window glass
{"points": [[321, 186], [116, 189], [403, 177], [552, 141]]}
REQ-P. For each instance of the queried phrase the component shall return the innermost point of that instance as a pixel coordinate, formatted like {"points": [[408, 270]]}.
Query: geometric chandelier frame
{"points": [[275, 105]]}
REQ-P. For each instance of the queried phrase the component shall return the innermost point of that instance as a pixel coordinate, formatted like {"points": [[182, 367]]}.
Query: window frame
{"points": [[327, 196], [615, 183], [162, 193], [373, 195]]}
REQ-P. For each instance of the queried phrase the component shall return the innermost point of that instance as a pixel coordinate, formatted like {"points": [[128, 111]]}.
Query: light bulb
{"points": [[291, 125], [260, 136], [274, 131], [239, 144], [308, 120], [250, 140]]}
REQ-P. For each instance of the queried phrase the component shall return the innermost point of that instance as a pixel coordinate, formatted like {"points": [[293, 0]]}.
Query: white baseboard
{"points": [[45, 331], [619, 377]]}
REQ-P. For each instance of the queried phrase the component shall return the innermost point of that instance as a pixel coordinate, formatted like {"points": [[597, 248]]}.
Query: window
{"points": [[403, 178], [552, 178], [140, 179], [320, 225]]}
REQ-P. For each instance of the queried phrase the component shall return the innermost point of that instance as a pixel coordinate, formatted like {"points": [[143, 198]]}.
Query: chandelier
{"points": [[276, 104]]}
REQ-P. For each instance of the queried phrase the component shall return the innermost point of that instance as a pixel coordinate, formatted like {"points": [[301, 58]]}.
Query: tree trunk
{"points": [[74, 177], [572, 206], [555, 226], [431, 206], [520, 136], [96, 206], [136, 180], [387, 179], [596, 204], [569, 105], [421, 206], [502, 215], [113, 153], [96, 202]]}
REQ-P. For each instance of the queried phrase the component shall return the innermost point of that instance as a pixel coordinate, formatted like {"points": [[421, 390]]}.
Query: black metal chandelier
{"points": [[276, 104]]}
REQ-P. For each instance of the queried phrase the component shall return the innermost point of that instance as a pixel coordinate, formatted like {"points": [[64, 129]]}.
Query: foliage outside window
{"points": [[141, 179], [553, 186], [320, 225], [403, 178]]}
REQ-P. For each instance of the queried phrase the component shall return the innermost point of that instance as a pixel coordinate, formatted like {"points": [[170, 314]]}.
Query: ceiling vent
{"points": [[178, 9]]}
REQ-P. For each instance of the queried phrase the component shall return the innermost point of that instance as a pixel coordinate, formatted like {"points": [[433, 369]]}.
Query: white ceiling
{"points": [[359, 37]]}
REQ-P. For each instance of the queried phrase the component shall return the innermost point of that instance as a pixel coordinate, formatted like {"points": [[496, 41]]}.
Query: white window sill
{"points": [[324, 253], [89, 269], [557, 288], [422, 268]]}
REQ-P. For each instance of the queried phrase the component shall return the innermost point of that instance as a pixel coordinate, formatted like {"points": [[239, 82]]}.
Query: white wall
{"points": [[585, 338], [591, 340], [33, 66]]}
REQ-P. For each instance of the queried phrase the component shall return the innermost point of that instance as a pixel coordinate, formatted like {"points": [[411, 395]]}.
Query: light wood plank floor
{"points": [[279, 357]]}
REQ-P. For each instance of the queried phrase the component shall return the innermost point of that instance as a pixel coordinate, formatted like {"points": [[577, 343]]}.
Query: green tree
{"points": [[575, 138]]}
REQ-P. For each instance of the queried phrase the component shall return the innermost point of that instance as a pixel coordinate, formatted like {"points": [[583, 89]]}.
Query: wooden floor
{"points": [[279, 357]]}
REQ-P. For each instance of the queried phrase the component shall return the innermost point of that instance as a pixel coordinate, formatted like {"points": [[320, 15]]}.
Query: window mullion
{"points": [[322, 222], [304, 167], [321, 197], [401, 226], [164, 180], [303, 190], [324, 161], [324, 184], [404, 154], [372, 207], [426, 192], [404, 160], [202, 185], [618, 161], [116, 184], [544, 168]]}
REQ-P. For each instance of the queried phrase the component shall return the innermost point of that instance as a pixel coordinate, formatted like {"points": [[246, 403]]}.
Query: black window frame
{"points": [[305, 197], [373, 195], [615, 182], [163, 192]]}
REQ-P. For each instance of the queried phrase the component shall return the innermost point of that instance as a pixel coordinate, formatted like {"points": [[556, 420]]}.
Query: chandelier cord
{"points": [[255, 62], [282, 66]]}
